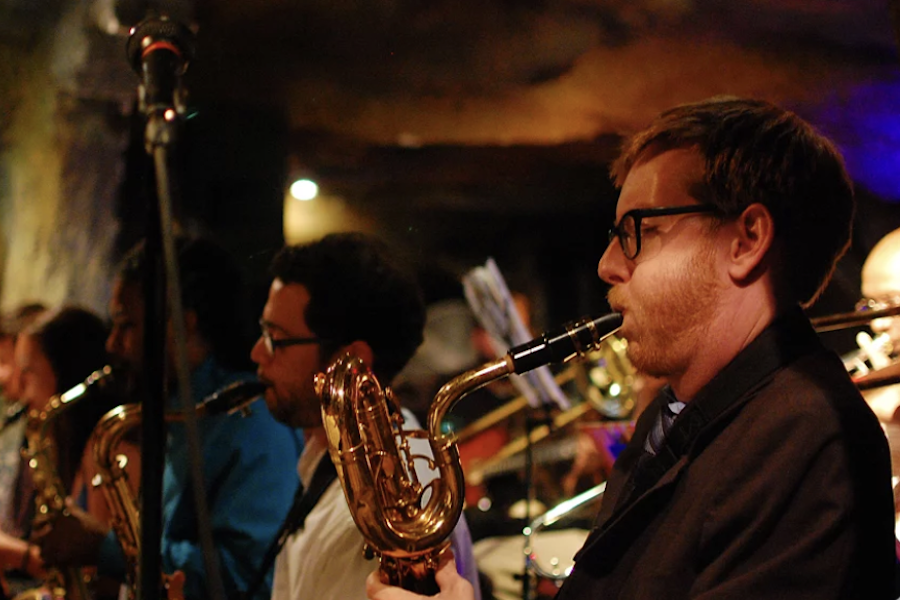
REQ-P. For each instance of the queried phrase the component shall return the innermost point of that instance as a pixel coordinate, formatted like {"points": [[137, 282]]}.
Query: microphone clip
{"points": [[160, 49]]}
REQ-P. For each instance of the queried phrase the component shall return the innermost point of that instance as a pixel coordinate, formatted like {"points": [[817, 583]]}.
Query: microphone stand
{"points": [[153, 408], [160, 49], [536, 417]]}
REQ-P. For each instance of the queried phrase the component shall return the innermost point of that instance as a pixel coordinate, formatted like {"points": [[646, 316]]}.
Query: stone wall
{"points": [[72, 166], [60, 157]]}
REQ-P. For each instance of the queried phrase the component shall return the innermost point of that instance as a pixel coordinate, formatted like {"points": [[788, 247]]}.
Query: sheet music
{"points": [[491, 301]]}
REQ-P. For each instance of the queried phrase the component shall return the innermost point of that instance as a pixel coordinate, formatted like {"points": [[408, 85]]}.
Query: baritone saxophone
{"points": [[407, 524], [106, 438]]}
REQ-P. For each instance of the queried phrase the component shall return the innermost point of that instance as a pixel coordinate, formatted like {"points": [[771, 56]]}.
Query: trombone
{"points": [[604, 379], [856, 318], [881, 377]]}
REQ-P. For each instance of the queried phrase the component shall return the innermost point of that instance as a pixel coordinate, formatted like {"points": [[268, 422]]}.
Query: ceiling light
{"points": [[304, 189]]}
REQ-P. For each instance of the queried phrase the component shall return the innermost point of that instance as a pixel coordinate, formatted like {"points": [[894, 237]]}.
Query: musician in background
{"points": [[59, 351], [15, 478], [248, 462], [53, 355], [759, 471], [10, 326], [881, 289], [343, 293]]}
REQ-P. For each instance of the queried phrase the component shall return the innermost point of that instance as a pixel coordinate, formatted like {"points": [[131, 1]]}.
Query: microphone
{"points": [[159, 50], [561, 345]]}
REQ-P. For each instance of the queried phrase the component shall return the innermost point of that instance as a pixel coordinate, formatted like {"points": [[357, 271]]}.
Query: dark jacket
{"points": [[775, 482]]}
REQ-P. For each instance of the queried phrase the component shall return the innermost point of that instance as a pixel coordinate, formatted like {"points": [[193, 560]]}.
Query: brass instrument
{"points": [[853, 319], [405, 524], [604, 378], [113, 479], [42, 455], [866, 377]]}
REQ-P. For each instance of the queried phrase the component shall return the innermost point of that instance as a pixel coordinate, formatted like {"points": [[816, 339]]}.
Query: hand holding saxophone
{"points": [[452, 585], [72, 539]]}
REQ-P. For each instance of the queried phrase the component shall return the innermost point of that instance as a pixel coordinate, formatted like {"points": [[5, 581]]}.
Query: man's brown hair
{"points": [[756, 152]]}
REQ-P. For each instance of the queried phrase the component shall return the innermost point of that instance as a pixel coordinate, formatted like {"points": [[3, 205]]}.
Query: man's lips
{"points": [[621, 332]]}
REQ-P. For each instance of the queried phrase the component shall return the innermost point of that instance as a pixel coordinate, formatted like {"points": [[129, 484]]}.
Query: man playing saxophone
{"points": [[758, 471], [54, 354], [343, 293], [248, 462]]}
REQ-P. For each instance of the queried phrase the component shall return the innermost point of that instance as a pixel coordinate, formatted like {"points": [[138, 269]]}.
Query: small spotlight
{"points": [[304, 189]]}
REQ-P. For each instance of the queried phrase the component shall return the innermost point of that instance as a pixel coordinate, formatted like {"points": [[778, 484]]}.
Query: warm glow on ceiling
{"points": [[309, 221]]}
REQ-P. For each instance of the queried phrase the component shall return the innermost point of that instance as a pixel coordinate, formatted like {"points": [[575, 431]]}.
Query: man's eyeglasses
{"points": [[273, 344], [628, 229]]}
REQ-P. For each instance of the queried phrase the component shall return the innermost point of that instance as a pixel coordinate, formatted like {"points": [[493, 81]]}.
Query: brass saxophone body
{"points": [[113, 479], [375, 465], [408, 525], [42, 455]]}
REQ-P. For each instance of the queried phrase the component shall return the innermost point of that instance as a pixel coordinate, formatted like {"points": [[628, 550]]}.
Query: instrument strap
{"points": [[304, 501]]}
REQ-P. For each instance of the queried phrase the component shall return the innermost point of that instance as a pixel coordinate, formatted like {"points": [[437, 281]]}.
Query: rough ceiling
{"points": [[476, 72], [500, 72], [489, 73], [445, 114]]}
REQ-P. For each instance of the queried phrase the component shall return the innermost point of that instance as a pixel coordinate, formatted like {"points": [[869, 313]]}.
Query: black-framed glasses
{"points": [[628, 229], [273, 344]]}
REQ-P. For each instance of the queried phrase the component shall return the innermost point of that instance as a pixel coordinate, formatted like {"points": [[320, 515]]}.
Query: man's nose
{"points": [[258, 353], [112, 342], [613, 266], [13, 389]]}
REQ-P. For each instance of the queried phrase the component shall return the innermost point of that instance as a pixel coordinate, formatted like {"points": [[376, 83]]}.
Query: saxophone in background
{"points": [[42, 455], [408, 525], [106, 438]]}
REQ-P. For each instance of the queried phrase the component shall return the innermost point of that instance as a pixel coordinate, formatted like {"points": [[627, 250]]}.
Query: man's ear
{"points": [[357, 348], [754, 234]]}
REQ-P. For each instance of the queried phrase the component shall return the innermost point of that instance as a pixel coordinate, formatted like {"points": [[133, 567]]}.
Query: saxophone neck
{"points": [[572, 340], [458, 387]]}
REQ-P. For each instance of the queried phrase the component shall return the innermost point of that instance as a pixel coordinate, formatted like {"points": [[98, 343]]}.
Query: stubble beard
{"points": [[289, 408], [668, 327]]}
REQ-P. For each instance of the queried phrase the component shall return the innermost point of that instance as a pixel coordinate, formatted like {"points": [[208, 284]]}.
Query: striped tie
{"points": [[657, 437]]}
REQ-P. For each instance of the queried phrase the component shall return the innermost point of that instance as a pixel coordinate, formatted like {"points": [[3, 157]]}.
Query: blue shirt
{"points": [[249, 467]]}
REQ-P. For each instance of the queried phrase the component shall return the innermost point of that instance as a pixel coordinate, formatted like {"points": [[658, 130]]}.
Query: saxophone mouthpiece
{"points": [[572, 339]]}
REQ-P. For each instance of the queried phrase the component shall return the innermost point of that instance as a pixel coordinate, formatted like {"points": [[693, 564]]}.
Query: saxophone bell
{"points": [[405, 524], [408, 525]]}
